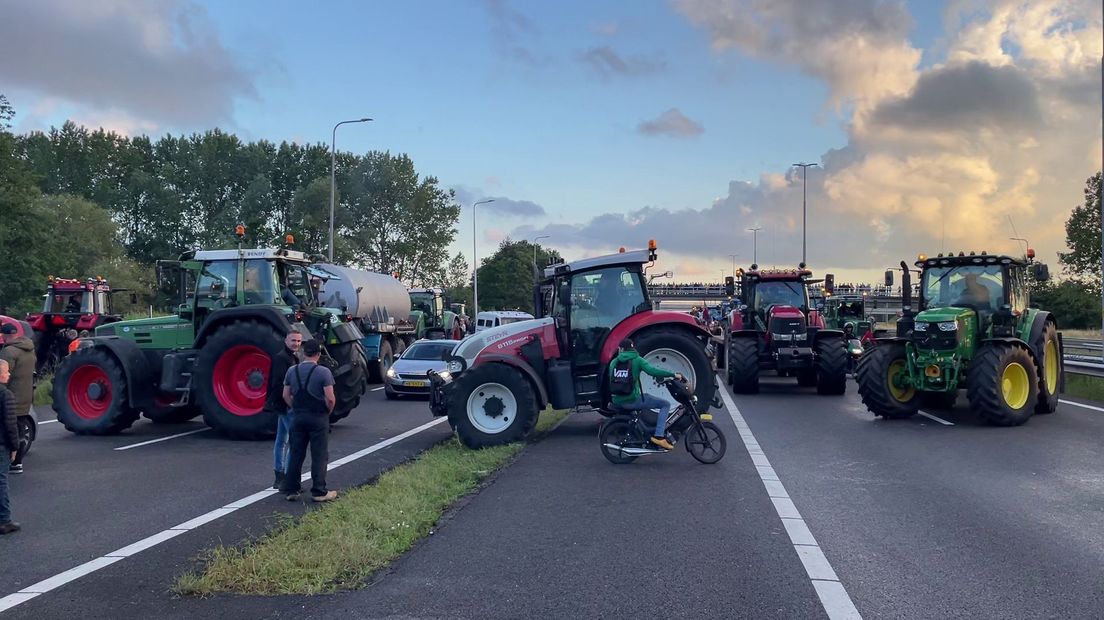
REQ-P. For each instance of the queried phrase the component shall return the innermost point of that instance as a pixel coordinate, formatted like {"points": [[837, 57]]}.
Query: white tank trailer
{"points": [[380, 306]]}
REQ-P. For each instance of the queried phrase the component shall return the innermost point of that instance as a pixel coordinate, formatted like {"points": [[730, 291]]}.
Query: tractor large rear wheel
{"points": [[232, 379], [831, 366], [90, 394], [492, 404], [1049, 369], [350, 371], [1002, 384], [882, 373], [679, 352], [743, 365]]}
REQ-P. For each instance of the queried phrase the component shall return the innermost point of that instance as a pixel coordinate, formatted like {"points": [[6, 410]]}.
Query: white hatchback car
{"points": [[408, 376]]}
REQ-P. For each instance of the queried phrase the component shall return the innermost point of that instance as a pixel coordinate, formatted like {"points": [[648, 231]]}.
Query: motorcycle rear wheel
{"points": [[619, 433]]}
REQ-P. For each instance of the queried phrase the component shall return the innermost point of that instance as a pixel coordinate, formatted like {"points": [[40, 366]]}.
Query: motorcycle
{"points": [[626, 436]]}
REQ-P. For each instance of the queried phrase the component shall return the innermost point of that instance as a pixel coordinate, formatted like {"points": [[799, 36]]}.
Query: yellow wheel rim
{"points": [[1050, 366], [901, 394], [1014, 385]]}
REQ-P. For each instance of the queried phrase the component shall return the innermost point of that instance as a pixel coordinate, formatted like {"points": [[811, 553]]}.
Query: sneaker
{"points": [[9, 527], [16, 469], [662, 443], [328, 497], [293, 497], [279, 479]]}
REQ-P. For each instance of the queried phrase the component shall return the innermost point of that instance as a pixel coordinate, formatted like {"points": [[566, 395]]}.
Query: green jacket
{"points": [[638, 364], [20, 354]]}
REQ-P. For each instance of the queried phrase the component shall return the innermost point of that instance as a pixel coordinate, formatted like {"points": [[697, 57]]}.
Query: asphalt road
{"points": [[917, 519]]}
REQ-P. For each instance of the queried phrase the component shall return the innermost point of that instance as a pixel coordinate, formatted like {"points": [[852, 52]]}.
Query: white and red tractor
{"points": [[499, 380]]}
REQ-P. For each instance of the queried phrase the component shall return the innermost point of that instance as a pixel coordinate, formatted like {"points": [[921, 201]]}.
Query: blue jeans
{"points": [[5, 505], [647, 401], [280, 451]]}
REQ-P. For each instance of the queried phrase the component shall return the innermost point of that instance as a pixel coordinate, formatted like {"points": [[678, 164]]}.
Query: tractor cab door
{"points": [[176, 289]]}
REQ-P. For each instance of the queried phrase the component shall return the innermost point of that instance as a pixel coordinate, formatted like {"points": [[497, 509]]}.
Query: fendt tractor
{"points": [[499, 379], [428, 312], [213, 356], [843, 308], [70, 306], [775, 329], [975, 329]]}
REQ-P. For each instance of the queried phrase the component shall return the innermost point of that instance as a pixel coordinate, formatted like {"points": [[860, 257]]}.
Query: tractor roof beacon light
{"points": [[289, 239], [651, 244], [1031, 253], [239, 231]]}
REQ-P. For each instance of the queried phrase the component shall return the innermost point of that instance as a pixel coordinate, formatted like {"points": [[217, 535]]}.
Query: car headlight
{"points": [[921, 327], [948, 326], [391, 373]]}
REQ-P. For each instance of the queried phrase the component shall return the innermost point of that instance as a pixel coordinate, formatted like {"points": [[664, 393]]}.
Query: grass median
{"points": [[339, 545], [1084, 386]]}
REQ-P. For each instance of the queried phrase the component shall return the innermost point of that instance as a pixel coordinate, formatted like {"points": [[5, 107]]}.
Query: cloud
{"points": [[159, 61], [671, 123], [605, 29], [502, 206], [609, 64], [512, 31]]}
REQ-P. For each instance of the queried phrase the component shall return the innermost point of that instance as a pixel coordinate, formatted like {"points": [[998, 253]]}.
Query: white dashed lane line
{"points": [[160, 439], [377, 389], [1082, 405], [935, 418], [833, 596]]}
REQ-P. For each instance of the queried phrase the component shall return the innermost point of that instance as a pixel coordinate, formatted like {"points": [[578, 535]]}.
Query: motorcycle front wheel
{"points": [[617, 433], [706, 443]]}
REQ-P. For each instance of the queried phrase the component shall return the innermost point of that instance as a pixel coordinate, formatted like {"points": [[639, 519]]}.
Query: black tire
{"points": [[105, 412], [938, 400], [807, 377], [377, 369], [1048, 352], [26, 430], [992, 367], [689, 347], [621, 433], [696, 444], [228, 408], [160, 414], [400, 347], [831, 366], [743, 363], [875, 388], [489, 422], [350, 373]]}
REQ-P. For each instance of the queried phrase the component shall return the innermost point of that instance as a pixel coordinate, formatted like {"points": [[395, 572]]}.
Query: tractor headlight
{"points": [[445, 376], [920, 327], [455, 366], [948, 326]]}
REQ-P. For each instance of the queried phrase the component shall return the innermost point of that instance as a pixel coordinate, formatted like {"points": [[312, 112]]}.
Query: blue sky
{"points": [[546, 103]]}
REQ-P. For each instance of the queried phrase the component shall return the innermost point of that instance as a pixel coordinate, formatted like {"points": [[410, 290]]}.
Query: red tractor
{"points": [[499, 379], [71, 306], [776, 330]]}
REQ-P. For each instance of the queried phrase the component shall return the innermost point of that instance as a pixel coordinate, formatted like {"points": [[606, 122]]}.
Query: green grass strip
{"points": [[339, 545], [43, 394], [1085, 386]]}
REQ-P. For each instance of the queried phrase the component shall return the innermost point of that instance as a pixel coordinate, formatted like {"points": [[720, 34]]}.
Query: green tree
{"points": [[1083, 235], [24, 235], [1075, 305], [7, 112], [457, 280], [506, 277]]}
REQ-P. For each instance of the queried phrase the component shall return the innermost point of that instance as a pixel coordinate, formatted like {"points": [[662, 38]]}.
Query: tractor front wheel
{"points": [[743, 365], [1049, 369], [882, 376], [492, 404], [831, 366], [232, 379], [90, 394], [350, 370], [1002, 384]]}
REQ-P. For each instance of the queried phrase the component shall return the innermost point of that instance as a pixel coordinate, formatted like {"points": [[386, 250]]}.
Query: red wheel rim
{"points": [[240, 379], [83, 381]]}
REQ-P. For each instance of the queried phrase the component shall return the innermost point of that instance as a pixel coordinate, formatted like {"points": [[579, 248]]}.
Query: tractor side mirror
{"points": [[1041, 272], [889, 277]]}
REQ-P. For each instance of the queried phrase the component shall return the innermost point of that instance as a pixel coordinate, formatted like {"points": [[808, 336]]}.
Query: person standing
{"points": [[274, 402], [309, 391], [19, 353], [10, 437]]}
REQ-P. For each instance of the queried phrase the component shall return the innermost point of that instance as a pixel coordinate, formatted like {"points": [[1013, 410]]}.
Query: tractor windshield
{"points": [[424, 302], [778, 293], [260, 283], [974, 286], [71, 302]]}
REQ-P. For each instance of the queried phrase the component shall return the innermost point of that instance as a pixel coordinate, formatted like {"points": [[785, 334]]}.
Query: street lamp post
{"points": [[804, 176], [733, 257], [1026, 244], [333, 176], [475, 260], [534, 242], [755, 243]]}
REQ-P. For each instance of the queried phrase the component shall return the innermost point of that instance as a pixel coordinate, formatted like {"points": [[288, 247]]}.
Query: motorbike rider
{"points": [[624, 371]]}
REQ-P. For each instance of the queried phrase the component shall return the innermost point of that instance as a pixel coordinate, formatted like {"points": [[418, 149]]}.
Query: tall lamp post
{"points": [[534, 242], [733, 257], [755, 243], [804, 176], [333, 176], [475, 260], [1026, 244]]}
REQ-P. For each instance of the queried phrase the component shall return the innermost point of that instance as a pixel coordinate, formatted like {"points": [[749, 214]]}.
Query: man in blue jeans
{"points": [[9, 437], [274, 402], [309, 391], [624, 375]]}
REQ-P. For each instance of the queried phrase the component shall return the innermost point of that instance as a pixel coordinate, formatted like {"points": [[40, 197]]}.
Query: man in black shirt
{"points": [[309, 391]]}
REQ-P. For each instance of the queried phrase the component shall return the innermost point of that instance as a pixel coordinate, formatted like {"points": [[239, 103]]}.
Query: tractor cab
{"points": [[848, 309], [70, 306]]}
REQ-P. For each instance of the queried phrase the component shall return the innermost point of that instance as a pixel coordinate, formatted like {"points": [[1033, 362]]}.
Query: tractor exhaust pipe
{"points": [[906, 324]]}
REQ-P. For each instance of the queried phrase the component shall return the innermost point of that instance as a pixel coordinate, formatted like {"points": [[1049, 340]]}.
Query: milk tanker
{"points": [[379, 305]]}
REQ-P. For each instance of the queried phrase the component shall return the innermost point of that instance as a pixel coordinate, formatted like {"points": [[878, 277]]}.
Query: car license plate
{"points": [[415, 384]]}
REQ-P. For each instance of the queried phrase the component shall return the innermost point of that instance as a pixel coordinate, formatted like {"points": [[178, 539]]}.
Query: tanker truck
{"points": [[379, 306], [214, 354]]}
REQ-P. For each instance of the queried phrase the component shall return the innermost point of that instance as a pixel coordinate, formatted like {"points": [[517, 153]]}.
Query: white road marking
{"points": [[1070, 402], [833, 596], [60, 579], [46, 422], [377, 389], [160, 439], [936, 418]]}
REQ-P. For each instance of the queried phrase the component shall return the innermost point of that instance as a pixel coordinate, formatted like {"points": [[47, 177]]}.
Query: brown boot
{"points": [[328, 497]]}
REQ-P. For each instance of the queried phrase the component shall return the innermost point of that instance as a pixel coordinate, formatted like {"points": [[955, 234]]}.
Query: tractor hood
{"points": [[785, 312], [940, 315], [506, 340]]}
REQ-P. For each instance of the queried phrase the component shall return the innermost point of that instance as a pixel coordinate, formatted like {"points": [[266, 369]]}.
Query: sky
{"points": [[936, 125]]}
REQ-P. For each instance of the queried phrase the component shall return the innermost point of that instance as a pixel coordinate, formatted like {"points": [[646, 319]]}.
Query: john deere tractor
{"points": [[975, 330], [213, 356]]}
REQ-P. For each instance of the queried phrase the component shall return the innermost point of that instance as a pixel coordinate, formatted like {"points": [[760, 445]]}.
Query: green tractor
{"points": [[975, 330], [213, 356], [429, 314], [840, 309]]}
